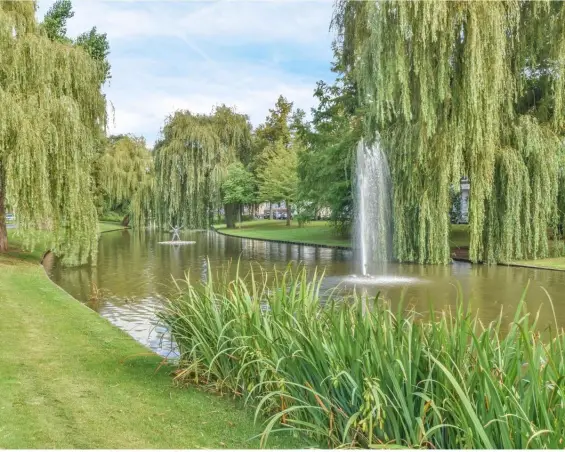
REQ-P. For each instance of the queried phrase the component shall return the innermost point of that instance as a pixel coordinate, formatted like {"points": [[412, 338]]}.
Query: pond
{"points": [[134, 272]]}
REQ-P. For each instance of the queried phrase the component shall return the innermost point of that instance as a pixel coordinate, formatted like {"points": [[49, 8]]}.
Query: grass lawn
{"points": [[71, 380], [557, 263], [459, 237], [316, 232], [106, 226], [320, 233]]}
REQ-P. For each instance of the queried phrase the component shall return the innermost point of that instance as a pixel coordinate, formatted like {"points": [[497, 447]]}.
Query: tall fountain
{"points": [[373, 209]]}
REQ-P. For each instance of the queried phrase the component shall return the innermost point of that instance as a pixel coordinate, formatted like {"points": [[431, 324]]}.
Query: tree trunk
{"points": [[3, 230], [287, 213], [271, 210], [125, 221], [229, 210]]}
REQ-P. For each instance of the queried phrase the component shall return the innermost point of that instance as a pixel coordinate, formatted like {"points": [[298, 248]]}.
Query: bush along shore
{"points": [[348, 371]]}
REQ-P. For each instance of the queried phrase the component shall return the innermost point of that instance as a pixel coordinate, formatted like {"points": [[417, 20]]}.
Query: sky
{"points": [[183, 54]]}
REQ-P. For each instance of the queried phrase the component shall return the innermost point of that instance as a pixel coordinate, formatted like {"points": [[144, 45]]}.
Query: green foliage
{"points": [[52, 113], [276, 127], [239, 185], [463, 89], [350, 372], [191, 161], [455, 212], [325, 166], [95, 44], [55, 21], [123, 170], [278, 178]]}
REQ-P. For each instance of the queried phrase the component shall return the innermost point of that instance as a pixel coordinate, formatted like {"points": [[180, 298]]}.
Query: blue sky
{"points": [[167, 55]]}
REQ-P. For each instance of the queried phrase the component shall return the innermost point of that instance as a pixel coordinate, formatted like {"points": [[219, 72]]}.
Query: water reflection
{"points": [[134, 271]]}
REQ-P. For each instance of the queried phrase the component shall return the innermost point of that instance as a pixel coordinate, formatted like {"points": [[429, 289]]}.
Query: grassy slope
{"points": [[69, 379]]}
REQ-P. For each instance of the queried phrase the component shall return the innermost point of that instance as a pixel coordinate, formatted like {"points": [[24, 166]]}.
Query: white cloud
{"points": [[289, 21], [252, 89], [150, 82]]}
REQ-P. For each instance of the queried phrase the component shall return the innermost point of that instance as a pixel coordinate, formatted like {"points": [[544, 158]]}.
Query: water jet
{"points": [[373, 210]]}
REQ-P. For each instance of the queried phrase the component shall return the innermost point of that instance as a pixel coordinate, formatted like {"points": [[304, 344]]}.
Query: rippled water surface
{"points": [[134, 272]]}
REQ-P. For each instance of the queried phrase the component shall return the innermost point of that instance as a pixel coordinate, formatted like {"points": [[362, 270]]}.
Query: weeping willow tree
{"points": [[51, 112], [458, 88], [123, 169], [191, 161]]}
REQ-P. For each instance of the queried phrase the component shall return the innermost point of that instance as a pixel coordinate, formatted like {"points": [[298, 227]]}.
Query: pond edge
{"points": [[349, 248]]}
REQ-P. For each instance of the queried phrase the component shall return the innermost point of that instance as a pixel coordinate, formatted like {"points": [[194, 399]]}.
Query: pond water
{"points": [[134, 272]]}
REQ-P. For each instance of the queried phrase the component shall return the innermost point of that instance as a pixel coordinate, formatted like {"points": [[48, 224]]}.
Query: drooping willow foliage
{"points": [[190, 162], [459, 88], [51, 112], [125, 168]]}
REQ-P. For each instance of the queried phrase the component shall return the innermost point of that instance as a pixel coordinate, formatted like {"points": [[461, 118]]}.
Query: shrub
{"points": [[348, 371]]}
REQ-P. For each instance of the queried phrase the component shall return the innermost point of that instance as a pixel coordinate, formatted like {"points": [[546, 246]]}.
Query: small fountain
{"points": [[176, 238], [373, 218]]}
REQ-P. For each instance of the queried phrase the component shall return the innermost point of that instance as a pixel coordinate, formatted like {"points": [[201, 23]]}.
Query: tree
{"points": [[51, 114], [191, 160], [276, 128], [456, 89], [96, 44], [55, 21], [123, 169], [278, 178], [329, 140], [238, 189]]}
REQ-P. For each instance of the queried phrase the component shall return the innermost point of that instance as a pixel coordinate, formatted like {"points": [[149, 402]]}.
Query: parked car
{"points": [[267, 214]]}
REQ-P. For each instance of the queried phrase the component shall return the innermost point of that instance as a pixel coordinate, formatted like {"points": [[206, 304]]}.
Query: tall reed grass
{"points": [[351, 372]]}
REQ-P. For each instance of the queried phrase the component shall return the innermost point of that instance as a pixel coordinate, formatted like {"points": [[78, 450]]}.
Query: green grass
{"points": [[351, 372], [106, 226], [315, 232], [557, 263], [112, 217], [69, 379], [459, 237], [320, 233]]}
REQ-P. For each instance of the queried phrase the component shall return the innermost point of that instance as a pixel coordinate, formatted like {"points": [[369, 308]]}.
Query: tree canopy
{"points": [[123, 168], [278, 177], [238, 186], [191, 160], [52, 111], [456, 89], [325, 166], [96, 44], [238, 189]]}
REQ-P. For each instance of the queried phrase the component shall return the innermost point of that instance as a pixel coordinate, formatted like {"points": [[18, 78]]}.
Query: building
{"points": [[460, 207]]}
